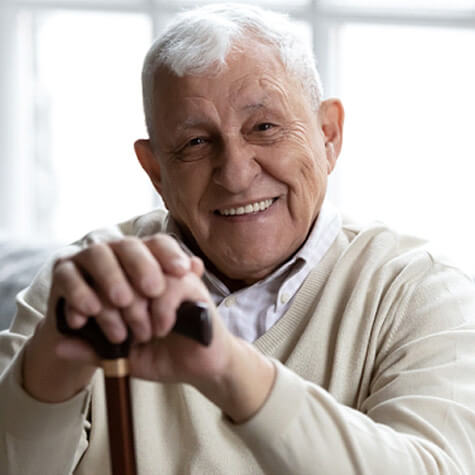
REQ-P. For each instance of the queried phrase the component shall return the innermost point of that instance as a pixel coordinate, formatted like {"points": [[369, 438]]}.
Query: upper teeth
{"points": [[250, 208]]}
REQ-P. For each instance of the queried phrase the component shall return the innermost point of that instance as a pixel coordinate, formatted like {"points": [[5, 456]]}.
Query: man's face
{"points": [[241, 162]]}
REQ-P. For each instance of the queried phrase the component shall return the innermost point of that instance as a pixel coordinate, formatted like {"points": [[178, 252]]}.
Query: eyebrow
{"points": [[191, 122], [253, 107], [265, 101]]}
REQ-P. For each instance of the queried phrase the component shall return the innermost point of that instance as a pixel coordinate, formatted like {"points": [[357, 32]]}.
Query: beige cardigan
{"points": [[379, 378]]}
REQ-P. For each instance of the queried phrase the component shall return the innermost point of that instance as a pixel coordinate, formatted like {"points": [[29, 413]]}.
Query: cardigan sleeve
{"points": [[36, 437], [419, 417]]}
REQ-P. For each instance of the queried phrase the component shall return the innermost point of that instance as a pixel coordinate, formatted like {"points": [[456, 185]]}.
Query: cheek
{"points": [[301, 165], [310, 190], [182, 190], [313, 175]]}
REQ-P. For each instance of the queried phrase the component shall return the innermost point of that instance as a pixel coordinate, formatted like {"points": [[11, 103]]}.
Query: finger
{"points": [[109, 320], [169, 254], [76, 350], [163, 309], [137, 318], [112, 325], [71, 285], [74, 318], [162, 317], [102, 266], [197, 266], [140, 266]]}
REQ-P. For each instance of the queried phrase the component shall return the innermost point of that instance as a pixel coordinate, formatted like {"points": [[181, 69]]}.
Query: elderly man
{"points": [[336, 349]]}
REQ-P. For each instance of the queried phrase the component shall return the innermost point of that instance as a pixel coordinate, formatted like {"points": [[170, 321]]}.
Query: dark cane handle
{"points": [[193, 320]]}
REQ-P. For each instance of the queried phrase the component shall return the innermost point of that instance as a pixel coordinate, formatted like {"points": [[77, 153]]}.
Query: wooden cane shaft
{"points": [[121, 434], [193, 321]]}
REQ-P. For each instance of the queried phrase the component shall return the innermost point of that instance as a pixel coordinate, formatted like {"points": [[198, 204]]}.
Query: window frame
{"points": [[324, 21]]}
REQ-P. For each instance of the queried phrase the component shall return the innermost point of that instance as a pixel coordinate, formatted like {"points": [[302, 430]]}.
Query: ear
{"points": [[332, 116], [149, 162]]}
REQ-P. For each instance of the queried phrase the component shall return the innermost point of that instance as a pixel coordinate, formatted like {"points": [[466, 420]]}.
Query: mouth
{"points": [[250, 208]]}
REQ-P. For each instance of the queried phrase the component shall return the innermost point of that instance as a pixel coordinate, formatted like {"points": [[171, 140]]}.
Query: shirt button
{"points": [[284, 298], [229, 301]]}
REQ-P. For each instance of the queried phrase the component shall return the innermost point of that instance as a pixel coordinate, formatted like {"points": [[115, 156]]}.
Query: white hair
{"points": [[198, 41]]}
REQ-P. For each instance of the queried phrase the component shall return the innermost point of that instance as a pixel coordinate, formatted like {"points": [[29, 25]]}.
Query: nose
{"points": [[236, 167]]}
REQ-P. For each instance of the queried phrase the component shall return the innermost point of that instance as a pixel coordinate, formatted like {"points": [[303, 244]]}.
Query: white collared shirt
{"points": [[251, 311]]}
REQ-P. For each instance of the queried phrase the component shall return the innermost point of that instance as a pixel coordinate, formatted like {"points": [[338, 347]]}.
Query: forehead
{"points": [[252, 77]]}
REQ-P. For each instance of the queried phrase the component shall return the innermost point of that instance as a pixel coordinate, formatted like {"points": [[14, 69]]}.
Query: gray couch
{"points": [[19, 263]]}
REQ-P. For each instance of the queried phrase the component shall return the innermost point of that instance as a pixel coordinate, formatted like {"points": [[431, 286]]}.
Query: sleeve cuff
{"points": [[277, 412], [27, 418]]}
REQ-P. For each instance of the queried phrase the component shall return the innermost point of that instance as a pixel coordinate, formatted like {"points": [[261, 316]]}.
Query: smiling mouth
{"points": [[250, 208]]}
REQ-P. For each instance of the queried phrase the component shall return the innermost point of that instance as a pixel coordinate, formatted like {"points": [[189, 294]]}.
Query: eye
{"points": [[193, 149], [195, 142], [264, 126]]}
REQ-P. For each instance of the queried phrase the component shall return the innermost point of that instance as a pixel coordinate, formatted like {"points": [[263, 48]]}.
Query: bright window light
{"points": [[88, 72], [409, 148], [429, 5], [408, 156]]}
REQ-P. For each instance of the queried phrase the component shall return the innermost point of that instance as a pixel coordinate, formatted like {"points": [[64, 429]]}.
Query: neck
{"points": [[232, 284]]}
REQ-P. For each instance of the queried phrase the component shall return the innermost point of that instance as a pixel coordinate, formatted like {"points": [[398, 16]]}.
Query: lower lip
{"points": [[248, 216]]}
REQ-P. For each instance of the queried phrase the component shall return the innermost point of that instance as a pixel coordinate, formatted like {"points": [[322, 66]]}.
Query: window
{"points": [[409, 146], [77, 111], [70, 89], [88, 72], [400, 5]]}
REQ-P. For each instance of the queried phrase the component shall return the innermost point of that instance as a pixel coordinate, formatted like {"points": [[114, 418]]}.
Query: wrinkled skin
{"points": [[243, 136]]}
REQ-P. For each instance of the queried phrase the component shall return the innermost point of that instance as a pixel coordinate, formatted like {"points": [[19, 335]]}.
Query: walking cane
{"points": [[192, 320]]}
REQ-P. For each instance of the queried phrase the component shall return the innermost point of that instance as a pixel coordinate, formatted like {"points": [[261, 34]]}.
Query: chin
{"points": [[251, 269]]}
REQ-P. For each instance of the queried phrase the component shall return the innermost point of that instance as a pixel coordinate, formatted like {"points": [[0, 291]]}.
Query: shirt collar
{"points": [[328, 217]]}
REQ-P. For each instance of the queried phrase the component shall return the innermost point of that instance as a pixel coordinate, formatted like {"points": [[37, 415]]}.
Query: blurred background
{"points": [[70, 110]]}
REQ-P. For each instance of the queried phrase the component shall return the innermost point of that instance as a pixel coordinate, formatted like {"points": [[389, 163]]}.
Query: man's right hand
{"points": [[114, 282]]}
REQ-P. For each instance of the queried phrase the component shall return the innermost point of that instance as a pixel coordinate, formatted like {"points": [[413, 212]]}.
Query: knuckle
{"points": [[131, 240], [154, 240], [96, 250], [108, 317], [191, 280], [58, 266], [59, 262], [62, 269], [157, 309], [89, 256], [76, 295], [126, 242], [162, 239], [134, 315]]}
